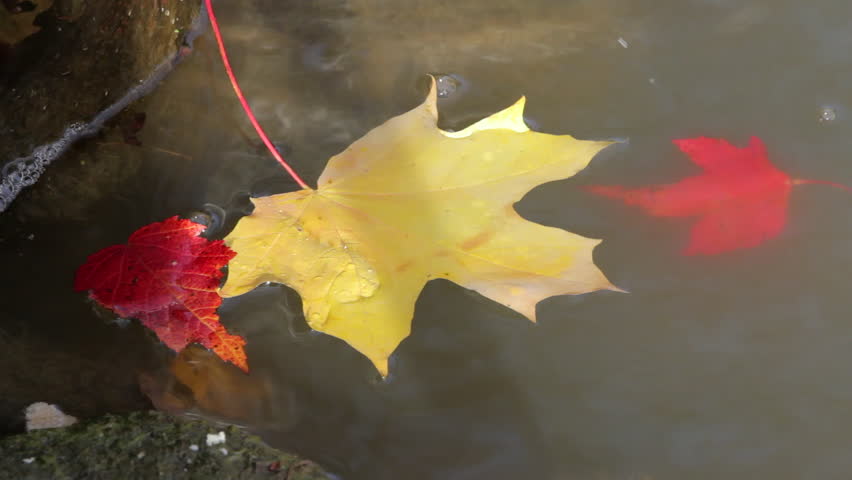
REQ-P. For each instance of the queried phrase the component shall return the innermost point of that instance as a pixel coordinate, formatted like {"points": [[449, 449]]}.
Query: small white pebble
{"points": [[29, 460], [224, 451], [41, 415], [193, 447], [141, 455], [215, 439]]}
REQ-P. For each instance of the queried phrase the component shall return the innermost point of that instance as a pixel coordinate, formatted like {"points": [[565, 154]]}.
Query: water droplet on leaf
{"points": [[316, 320]]}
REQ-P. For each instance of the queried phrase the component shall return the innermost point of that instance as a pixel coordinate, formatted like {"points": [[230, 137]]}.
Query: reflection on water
{"points": [[732, 366]]}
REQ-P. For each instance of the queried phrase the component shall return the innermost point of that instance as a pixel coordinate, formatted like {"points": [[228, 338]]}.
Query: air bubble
{"points": [[200, 217], [446, 85], [211, 216], [827, 114]]}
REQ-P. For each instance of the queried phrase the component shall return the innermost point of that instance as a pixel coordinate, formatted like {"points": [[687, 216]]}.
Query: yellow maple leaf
{"points": [[407, 203], [15, 27]]}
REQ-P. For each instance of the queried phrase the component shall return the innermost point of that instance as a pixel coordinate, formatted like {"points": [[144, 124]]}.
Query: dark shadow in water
{"points": [[445, 412]]}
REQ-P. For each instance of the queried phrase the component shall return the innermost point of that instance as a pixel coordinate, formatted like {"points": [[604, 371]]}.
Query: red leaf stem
{"points": [[244, 103]]}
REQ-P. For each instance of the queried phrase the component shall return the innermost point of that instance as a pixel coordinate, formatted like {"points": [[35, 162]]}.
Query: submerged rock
{"points": [[148, 445], [74, 70]]}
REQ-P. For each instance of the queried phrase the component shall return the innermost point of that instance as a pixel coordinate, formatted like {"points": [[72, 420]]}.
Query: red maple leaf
{"points": [[167, 277], [740, 198]]}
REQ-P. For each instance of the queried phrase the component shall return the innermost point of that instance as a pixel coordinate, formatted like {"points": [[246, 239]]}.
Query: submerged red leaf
{"points": [[740, 198], [167, 277]]}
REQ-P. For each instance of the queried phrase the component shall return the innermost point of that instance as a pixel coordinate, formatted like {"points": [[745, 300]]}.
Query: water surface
{"points": [[732, 366]]}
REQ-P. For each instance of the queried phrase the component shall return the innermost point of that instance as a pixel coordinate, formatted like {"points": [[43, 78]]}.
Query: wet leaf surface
{"points": [[408, 203]]}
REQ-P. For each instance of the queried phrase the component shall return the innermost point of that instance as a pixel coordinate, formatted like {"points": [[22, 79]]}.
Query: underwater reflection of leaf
{"points": [[199, 381], [739, 199]]}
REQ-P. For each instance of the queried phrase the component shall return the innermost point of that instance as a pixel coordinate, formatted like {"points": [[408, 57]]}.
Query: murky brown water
{"points": [[734, 366]]}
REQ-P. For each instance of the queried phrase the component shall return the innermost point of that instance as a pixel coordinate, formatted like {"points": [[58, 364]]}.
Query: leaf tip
{"points": [[510, 118], [430, 104], [381, 364]]}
